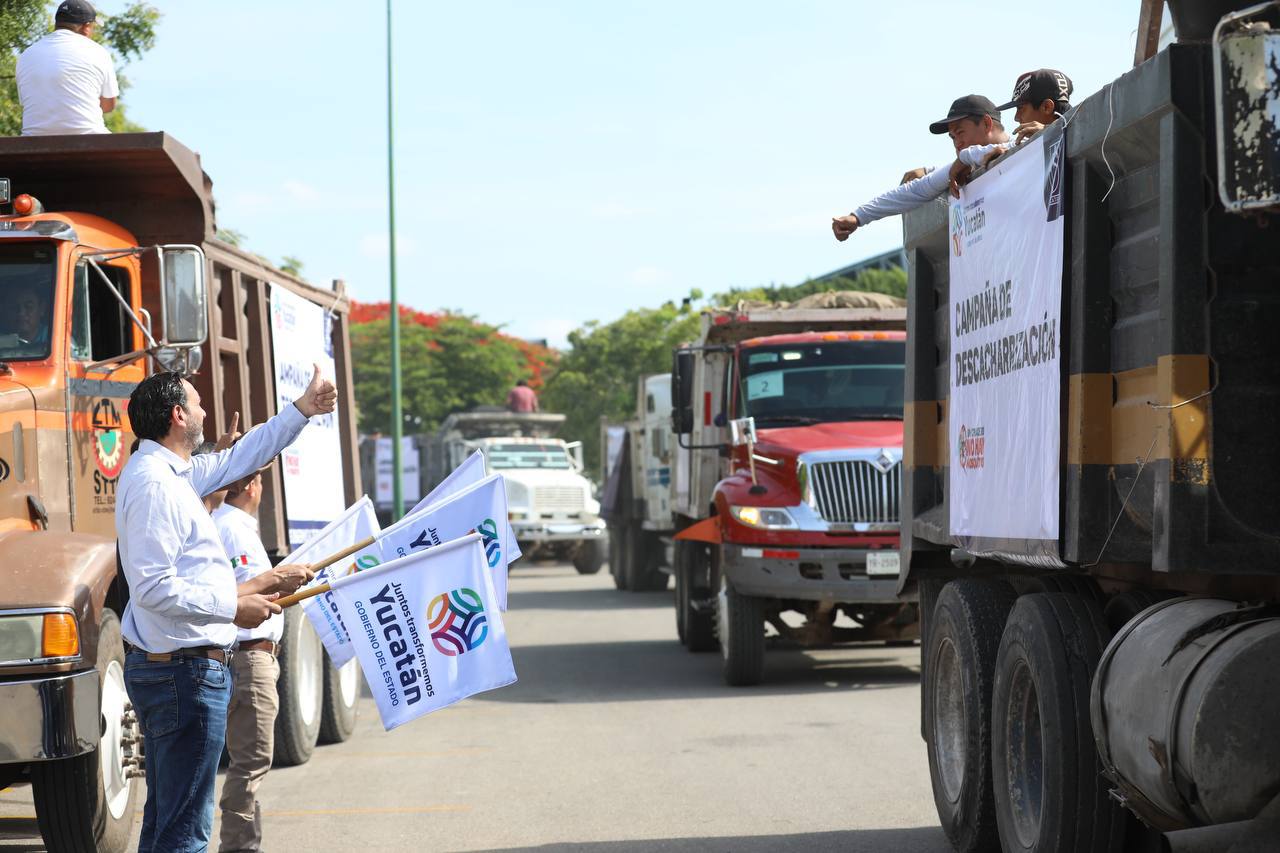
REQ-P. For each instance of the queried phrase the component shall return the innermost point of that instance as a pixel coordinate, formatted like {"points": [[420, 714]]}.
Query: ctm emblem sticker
{"points": [[458, 622], [107, 446]]}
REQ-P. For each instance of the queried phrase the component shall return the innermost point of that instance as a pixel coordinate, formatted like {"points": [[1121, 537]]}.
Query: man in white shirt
{"points": [[185, 603], [67, 81], [973, 123], [251, 716]]}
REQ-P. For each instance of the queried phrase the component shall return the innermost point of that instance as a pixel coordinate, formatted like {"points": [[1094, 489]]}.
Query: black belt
{"points": [[217, 653], [264, 645]]}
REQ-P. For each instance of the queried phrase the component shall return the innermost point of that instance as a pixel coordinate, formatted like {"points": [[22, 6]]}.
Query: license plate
{"points": [[883, 563]]}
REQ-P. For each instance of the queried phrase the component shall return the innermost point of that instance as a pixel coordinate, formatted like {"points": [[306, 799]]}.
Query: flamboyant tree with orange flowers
{"points": [[448, 363]]}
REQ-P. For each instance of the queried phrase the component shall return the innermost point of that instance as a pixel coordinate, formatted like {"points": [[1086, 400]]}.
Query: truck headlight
{"points": [[764, 517], [32, 637], [517, 495]]}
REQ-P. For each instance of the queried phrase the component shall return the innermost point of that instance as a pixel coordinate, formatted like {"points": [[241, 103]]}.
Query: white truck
{"points": [[551, 505]]}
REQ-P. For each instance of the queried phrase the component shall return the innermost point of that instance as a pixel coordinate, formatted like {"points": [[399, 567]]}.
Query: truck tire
{"points": [[695, 626], [619, 555], [929, 588], [588, 557], [1050, 794], [959, 659], [644, 563], [740, 627], [341, 705], [301, 688], [82, 805]]}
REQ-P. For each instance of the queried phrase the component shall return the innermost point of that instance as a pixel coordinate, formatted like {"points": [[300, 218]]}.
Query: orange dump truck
{"points": [[109, 270]]}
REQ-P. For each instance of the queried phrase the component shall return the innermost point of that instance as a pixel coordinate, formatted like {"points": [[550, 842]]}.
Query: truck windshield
{"points": [[823, 382], [548, 455], [26, 280]]}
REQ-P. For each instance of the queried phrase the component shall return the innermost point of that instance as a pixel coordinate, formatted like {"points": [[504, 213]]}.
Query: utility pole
{"points": [[397, 418]]}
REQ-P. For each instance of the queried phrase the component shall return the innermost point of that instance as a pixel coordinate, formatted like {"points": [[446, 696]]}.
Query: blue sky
{"points": [[559, 162]]}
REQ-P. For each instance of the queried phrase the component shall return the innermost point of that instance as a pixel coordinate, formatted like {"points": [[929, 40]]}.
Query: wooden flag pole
{"points": [[303, 595]]}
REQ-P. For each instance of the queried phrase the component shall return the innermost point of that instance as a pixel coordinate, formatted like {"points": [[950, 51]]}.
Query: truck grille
{"points": [[557, 499], [854, 491]]}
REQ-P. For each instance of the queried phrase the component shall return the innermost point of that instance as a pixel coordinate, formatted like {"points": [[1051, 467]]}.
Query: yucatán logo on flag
{"points": [[457, 620], [470, 472]]}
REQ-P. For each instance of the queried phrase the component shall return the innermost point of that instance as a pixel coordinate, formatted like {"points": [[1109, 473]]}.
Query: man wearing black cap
{"points": [[67, 81], [1039, 97], [973, 123]]}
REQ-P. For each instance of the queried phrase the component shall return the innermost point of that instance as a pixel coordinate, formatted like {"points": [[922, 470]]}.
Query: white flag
{"points": [[471, 471], [478, 507], [358, 522], [425, 630]]}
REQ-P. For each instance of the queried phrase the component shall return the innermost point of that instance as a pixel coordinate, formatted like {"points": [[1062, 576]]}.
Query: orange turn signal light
{"points": [[61, 636]]}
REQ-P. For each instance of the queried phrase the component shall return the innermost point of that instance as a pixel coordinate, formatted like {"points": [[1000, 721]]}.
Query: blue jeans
{"points": [[182, 710]]}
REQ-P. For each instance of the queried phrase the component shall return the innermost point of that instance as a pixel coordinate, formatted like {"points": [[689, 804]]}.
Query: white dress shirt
{"points": [[242, 541], [61, 81], [182, 590]]}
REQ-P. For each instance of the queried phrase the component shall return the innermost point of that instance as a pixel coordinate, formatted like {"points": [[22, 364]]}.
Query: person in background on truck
{"points": [[971, 122], [522, 398], [67, 81], [185, 604], [251, 715]]}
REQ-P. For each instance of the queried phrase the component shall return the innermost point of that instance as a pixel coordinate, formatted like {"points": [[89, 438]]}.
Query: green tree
{"points": [[599, 373], [292, 266], [128, 35], [452, 366]]}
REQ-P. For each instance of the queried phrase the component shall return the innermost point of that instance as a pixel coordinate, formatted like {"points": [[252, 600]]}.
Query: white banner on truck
{"points": [[1006, 236], [312, 465], [410, 482]]}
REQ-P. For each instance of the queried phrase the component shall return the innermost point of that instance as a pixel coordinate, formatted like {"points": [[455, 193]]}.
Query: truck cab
{"points": [[551, 506], [121, 276]]}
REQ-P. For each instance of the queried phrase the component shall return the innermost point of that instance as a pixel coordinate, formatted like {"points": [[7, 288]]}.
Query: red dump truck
{"points": [[783, 456], [110, 269]]}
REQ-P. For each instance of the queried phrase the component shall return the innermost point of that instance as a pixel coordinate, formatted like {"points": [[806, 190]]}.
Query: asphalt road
{"points": [[617, 740]]}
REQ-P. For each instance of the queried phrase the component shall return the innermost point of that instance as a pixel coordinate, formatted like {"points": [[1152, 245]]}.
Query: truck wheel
{"points": [[959, 662], [589, 557], [740, 627], [644, 562], [619, 555], [89, 802], [1050, 794], [301, 688], [696, 626], [341, 703], [929, 589]]}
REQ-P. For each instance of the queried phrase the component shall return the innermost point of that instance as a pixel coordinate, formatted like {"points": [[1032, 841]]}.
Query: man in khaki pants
{"points": [[251, 716]]}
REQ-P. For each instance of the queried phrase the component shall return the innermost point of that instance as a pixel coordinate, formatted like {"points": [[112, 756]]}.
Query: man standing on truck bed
{"points": [[67, 81], [185, 604], [522, 398]]}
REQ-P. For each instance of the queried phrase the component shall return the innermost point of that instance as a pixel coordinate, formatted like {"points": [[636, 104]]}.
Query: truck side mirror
{"points": [[185, 314], [682, 392], [575, 455], [742, 431]]}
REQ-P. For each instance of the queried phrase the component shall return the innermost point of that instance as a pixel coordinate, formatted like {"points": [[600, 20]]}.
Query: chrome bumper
{"points": [[46, 718], [551, 531], [816, 574]]}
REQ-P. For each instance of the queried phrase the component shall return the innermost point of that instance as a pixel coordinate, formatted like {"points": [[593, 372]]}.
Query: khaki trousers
{"points": [[251, 722]]}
